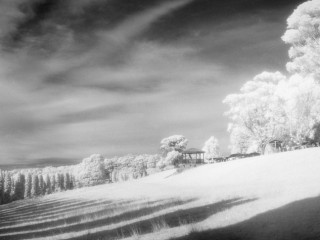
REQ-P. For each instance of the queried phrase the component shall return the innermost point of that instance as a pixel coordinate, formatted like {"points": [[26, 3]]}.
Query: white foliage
{"points": [[211, 148], [7, 183], [256, 113], [303, 34], [172, 157], [302, 106], [152, 160], [173, 143], [35, 186], [110, 163], [91, 171], [273, 107], [253, 148]]}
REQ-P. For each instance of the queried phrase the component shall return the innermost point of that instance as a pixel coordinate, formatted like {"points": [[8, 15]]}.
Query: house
{"points": [[236, 156], [220, 159], [216, 160], [273, 146], [192, 156]]}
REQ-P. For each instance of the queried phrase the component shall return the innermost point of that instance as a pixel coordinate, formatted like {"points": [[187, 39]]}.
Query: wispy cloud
{"points": [[137, 24], [9, 14], [68, 90], [57, 96]]}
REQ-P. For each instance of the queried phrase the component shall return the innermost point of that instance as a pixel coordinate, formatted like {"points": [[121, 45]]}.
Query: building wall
{"points": [[269, 149]]}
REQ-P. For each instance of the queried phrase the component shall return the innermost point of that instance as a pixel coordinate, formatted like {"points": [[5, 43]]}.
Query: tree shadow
{"points": [[296, 221], [47, 210], [143, 208], [76, 215], [172, 219]]}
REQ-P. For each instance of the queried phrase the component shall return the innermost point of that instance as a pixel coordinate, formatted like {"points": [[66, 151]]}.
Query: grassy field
{"points": [[268, 197]]}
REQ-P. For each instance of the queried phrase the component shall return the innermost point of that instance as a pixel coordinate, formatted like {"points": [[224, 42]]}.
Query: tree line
{"points": [[96, 169], [29, 184], [282, 106]]}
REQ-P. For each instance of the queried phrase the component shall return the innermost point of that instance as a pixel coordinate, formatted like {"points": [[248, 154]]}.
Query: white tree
{"points": [[257, 113], [47, 184], [27, 186], [1, 187], [211, 148], [301, 97], [67, 181], [126, 161], [240, 139], [139, 167], [273, 107], [53, 183], [172, 158], [152, 160], [35, 191], [173, 143], [91, 171], [7, 187], [303, 34], [41, 185], [58, 185], [19, 182], [62, 182], [161, 164], [110, 165]]}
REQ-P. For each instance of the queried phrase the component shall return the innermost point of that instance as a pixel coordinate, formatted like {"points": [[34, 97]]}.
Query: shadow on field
{"points": [[45, 210], [296, 221], [98, 209], [92, 220], [172, 219]]}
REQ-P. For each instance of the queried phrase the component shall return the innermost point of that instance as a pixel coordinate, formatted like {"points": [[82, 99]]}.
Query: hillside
{"points": [[267, 197]]}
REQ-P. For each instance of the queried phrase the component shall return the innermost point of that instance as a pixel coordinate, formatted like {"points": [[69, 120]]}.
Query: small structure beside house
{"points": [[273, 146], [215, 160], [254, 154], [219, 159], [192, 156], [242, 155], [236, 156]]}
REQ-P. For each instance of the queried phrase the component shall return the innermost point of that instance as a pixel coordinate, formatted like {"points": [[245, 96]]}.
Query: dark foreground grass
{"points": [[47, 210], [104, 214], [52, 213], [145, 209], [29, 204], [173, 219], [296, 221], [108, 208], [35, 207]]}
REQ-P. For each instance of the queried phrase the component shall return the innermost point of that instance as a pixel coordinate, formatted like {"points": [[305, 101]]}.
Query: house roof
{"points": [[236, 155], [193, 150], [254, 154], [275, 140]]}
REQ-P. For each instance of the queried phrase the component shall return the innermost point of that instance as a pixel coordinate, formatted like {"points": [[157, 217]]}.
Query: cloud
{"points": [[141, 22], [103, 108], [89, 115], [110, 47], [68, 90], [149, 67], [72, 102], [9, 15]]}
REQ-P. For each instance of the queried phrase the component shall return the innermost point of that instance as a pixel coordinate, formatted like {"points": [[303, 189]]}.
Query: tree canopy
{"points": [[303, 33]]}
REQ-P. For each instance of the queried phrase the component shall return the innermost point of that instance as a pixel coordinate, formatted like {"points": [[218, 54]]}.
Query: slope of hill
{"points": [[267, 197]]}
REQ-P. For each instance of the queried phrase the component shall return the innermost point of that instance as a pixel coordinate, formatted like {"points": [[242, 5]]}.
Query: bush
{"points": [[91, 171]]}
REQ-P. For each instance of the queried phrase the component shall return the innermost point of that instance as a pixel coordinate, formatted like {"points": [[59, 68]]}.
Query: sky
{"points": [[114, 77]]}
